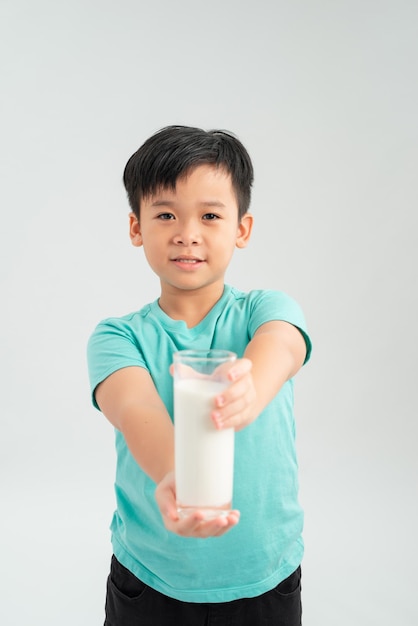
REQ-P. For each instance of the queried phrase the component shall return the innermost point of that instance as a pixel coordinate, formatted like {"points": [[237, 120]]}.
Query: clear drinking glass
{"points": [[204, 455]]}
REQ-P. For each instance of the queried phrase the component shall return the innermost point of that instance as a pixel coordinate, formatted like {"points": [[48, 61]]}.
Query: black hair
{"points": [[173, 151]]}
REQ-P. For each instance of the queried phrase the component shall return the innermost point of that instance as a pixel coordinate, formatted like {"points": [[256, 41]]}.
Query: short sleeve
{"points": [[267, 306], [111, 347]]}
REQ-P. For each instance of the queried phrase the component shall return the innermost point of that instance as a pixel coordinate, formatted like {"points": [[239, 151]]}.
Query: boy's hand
{"points": [[234, 407], [194, 525]]}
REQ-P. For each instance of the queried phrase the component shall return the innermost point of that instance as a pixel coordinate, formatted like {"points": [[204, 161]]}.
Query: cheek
{"points": [[151, 253], [226, 252]]}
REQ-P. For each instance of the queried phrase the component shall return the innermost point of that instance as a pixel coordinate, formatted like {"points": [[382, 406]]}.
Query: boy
{"points": [[189, 191]]}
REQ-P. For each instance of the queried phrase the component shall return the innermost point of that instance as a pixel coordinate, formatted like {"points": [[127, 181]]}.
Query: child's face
{"points": [[189, 234]]}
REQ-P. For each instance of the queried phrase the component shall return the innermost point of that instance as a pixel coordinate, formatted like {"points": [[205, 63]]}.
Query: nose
{"points": [[188, 235]]}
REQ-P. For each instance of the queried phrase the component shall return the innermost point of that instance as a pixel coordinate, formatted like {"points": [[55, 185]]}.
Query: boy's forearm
{"points": [[276, 355], [130, 402], [150, 439]]}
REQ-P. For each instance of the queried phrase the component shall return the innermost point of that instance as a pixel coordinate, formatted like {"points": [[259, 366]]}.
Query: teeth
{"points": [[187, 260]]}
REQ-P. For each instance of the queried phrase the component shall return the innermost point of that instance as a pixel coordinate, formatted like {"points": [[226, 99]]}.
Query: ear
{"points": [[135, 230], [244, 230]]}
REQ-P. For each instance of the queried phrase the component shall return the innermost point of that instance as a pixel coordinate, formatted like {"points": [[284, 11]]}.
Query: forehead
{"points": [[201, 179]]}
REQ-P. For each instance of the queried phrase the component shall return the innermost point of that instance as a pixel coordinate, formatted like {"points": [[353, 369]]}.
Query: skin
{"points": [[189, 235]]}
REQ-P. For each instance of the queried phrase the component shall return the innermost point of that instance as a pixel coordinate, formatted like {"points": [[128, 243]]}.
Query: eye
{"points": [[210, 217], [165, 216]]}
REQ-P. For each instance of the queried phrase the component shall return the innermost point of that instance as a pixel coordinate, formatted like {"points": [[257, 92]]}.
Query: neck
{"points": [[191, 306]]}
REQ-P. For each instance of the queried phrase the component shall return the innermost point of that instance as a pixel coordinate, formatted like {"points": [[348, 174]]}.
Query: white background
{"points": [[324, 95]]}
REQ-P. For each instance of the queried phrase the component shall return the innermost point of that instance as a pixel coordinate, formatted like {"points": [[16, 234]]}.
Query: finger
{"points": [[233, 392], [233, 519], [214, 528], [233, 370], [239, 369], [189, 526], [197, 526], [234, 413], [230, 416]]}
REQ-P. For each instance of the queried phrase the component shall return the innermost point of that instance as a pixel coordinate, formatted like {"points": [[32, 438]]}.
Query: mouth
{"points": [[187, 262], [187, 259]]}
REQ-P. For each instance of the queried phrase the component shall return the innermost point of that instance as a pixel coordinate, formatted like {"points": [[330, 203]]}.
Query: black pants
{"points": [[129, 602]]}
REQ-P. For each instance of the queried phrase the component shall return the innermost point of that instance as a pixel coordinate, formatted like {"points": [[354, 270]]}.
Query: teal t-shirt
{"points": [[266, 546]]}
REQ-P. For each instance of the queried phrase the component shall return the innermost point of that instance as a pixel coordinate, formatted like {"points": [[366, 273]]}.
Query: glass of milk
{"points": [[204, 455]]}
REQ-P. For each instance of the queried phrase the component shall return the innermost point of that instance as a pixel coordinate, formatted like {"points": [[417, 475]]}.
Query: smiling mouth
{"points": [[187, 264], [187, 260]]}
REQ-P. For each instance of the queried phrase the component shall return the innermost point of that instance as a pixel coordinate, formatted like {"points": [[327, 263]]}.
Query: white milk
{"points": [[204, 456]]}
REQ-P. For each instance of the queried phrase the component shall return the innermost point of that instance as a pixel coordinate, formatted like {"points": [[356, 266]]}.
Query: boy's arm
{"points": [[274, 355], [129, 400]]}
